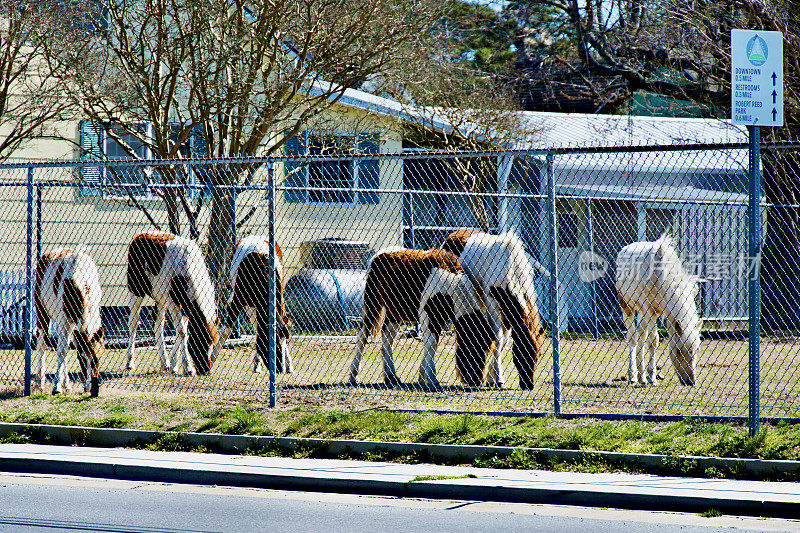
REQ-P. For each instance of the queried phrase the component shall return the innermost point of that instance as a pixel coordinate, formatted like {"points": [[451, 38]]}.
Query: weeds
{"points": [[441, 478]]}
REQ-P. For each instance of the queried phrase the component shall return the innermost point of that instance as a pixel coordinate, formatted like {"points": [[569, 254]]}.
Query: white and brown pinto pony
{"points": [[652, 282], [429, 287], [171, 270], [68, 292], [503, 277], [250, 281]]}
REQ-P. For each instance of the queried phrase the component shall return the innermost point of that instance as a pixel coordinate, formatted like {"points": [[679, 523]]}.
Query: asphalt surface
{"points": [[618, 490], [47, 502]]}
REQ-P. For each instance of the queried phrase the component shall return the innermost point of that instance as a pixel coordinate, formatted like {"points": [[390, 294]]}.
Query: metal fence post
{"points": [[754, 283], [555, 318], [271, 296], [236, 330], [29, 273]]}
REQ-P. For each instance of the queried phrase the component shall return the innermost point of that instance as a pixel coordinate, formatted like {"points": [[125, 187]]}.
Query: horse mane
{"points": [[680, 288]]}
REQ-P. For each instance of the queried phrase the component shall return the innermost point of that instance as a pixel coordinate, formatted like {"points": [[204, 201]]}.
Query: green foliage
{"points": [[450, 430], [235, 421], [372, 425], [439, 478], [479, 37], [711, 513], [114, 420]]}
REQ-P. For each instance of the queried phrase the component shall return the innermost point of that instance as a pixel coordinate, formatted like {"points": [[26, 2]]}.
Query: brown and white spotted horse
{"points": [[430, 287], [171, 270], [68, 292], [250, 282], [503, 276]]}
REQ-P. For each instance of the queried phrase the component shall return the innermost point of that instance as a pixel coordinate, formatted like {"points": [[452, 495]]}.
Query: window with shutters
{"points": [[117, 142], [335, 181]]}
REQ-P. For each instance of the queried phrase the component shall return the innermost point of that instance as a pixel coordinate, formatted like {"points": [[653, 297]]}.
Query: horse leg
{"points": [[427, 370], [389, 332], [641, 345], [135, 305], [177, 347], [161, 317], [495, 372], [180, 351], [61, 381], [288, 367], [83, 361], [40, 345], [631, 337], [188, 364], [258, 367], [650, 344]]}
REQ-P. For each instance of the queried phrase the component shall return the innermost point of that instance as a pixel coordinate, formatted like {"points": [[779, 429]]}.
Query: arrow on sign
{"points": [[774, 113], [774, 77], [774, 96]]}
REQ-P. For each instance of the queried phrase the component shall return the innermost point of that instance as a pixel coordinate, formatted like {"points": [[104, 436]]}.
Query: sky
{"points": [[497, 5]]}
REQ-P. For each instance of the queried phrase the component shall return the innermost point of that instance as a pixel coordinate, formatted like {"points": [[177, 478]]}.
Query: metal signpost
{"points": [[756, 100]]}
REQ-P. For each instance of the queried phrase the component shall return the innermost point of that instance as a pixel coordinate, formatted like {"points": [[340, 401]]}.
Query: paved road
{"points": [[39, 502]]}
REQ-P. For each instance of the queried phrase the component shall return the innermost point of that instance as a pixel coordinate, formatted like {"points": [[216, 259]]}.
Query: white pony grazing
{"points": [[652, 282], [172, 271], [68, 292]]}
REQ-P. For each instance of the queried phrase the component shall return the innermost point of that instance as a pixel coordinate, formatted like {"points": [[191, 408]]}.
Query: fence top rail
{"points": [[436, 154]]}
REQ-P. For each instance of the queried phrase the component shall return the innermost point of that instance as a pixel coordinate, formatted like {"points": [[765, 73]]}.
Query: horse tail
{"points": [[74, 301], [138, 282], [372, 303], [199, 334], [518, 304]]}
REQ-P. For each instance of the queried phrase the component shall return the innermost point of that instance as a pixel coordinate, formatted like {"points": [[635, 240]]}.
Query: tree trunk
{"points": [[221, 240], [173, 210]]}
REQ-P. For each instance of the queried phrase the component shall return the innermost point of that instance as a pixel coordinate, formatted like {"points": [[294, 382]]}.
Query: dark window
{"points": [[335, 177], [567, 228]]}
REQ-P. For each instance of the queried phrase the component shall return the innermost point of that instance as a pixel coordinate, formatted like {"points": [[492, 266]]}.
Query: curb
{"points": [[437, 490], [104, 437]]}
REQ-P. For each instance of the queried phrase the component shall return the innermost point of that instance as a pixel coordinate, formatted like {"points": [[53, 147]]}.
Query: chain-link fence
{"points": [[544, 330]]}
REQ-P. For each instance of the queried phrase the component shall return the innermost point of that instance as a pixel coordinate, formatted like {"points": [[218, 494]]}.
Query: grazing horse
{"points": [[652, 281], [250, 282], [68, 292], [171, 270], [503, 276], [430, 287]]}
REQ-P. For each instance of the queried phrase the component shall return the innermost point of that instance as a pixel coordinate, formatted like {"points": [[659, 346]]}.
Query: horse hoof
{"points": [[432, 387], [392, 382]]}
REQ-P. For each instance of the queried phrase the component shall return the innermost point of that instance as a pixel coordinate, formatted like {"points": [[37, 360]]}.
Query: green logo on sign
{"points": [[757, 51]]}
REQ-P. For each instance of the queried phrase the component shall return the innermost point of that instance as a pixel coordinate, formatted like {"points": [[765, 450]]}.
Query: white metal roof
{"points": [[560, 130]]}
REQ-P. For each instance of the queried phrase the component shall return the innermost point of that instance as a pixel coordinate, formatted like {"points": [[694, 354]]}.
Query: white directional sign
{"points": [[757, 77]]}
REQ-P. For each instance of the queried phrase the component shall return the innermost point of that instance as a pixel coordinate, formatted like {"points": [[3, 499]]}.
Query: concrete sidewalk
{"points": [[630, 491]]}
